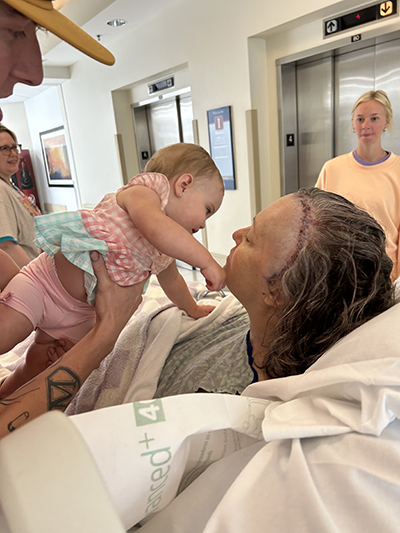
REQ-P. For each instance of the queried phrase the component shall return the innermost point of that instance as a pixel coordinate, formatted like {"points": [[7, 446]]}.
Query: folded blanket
{"points": [[131, 371]]}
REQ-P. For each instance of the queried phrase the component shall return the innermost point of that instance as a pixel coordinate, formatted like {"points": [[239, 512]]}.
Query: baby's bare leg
{"points": [[71, 277], [14, 328], [8, 269], [36, 360], [37, 357]]}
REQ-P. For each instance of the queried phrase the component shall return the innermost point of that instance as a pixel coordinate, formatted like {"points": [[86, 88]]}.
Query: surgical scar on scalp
{"points": [[307, 222], [62, 385]]}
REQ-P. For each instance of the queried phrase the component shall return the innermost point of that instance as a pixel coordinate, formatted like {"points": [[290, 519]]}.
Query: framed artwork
{"points": [[56, 158], [221, 146]]}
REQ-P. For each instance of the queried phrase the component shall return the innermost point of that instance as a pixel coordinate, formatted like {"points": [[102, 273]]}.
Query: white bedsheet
{"points": [[329, 461]]}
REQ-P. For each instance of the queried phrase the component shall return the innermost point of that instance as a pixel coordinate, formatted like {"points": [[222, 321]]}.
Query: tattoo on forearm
{"points": [[19, 421], [11, 400], [62, 385]]}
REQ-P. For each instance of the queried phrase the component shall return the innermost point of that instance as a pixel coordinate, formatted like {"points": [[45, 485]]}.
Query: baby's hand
{"points": [[215, 276], [201, 310]]}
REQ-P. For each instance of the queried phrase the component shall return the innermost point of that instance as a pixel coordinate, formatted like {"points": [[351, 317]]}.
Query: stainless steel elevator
{"points": [[317, 94], [160, 122]]}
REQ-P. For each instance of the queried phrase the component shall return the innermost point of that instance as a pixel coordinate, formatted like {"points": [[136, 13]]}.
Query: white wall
{"points": [[15, 119], [211, 38], [229, 48], [45, 112]]}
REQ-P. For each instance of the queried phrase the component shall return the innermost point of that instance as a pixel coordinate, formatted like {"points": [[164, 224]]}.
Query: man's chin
{"points": [[5, 93]]}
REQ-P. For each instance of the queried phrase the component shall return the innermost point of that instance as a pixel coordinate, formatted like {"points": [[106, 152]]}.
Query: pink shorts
{"points": [[37, 293]]}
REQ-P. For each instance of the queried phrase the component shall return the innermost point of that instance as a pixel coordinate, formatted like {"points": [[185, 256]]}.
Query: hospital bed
{"points": [[314, 453]]}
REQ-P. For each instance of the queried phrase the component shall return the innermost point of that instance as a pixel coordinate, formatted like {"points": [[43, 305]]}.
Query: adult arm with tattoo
{"points": [[55, 387]]}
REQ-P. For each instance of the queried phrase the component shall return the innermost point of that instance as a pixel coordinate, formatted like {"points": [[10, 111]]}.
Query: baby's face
{"points": [[197, 203]]}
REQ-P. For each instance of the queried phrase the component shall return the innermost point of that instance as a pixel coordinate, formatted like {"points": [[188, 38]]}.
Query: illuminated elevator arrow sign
{"points": [[366, 15], [386, 9]]}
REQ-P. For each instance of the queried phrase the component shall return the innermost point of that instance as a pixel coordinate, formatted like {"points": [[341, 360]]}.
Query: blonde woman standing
{"points": [[370, 175]]}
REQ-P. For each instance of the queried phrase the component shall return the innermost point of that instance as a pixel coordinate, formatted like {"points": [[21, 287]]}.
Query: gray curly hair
{"points": [[339, 279]]}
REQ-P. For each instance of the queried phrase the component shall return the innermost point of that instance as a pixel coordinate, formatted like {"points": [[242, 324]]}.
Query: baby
{"points": [[140, 230]]}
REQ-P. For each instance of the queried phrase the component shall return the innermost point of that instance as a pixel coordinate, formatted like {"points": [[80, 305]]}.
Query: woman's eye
{"points": [[208, 211]]}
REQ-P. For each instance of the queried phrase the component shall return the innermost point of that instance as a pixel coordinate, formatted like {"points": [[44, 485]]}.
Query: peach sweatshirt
{"points": [[374, 188]]}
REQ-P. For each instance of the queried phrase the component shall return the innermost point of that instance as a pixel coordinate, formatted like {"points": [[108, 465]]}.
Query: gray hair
{"points": [[340, 279]]}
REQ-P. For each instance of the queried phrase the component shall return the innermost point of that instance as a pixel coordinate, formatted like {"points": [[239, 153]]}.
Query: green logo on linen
{"points": [[148, 412]]}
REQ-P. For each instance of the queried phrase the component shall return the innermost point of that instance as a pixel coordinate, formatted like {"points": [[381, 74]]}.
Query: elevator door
{"points": [[160, 123], [318, 94]]}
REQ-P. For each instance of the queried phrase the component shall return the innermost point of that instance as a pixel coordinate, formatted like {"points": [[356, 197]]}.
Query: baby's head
{"points": [[196, 184], [184, 158]]}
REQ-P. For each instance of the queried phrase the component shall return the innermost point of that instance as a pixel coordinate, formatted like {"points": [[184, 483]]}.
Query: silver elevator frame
{"points": [[317, 91], [163, 120], [160, 121]]}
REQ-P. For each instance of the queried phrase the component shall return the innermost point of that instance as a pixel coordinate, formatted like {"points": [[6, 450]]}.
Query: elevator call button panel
{"points": [[372, 13]]}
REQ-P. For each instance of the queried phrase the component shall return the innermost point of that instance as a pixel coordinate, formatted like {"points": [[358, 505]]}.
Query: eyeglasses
{"points": [[6, 150]]}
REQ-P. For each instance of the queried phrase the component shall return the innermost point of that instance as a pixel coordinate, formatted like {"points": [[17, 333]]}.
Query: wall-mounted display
{"points": [[221, 146], [56, 159]]}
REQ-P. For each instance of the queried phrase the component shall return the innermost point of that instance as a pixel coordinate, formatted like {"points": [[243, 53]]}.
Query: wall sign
{"points": [[221, 146], [372, 13]]}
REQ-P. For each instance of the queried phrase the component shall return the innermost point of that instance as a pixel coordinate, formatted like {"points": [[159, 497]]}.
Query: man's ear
{"points": [[182, 184]]}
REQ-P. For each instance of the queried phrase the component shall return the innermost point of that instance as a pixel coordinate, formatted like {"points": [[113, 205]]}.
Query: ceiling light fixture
{"points": [[116, 23]]}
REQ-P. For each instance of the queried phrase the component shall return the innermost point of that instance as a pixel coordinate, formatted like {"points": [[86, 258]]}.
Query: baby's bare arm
{"points": [[177, 291], [143, 206]]}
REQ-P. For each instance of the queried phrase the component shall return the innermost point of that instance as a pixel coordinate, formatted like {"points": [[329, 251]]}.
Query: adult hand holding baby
{"points": [[114, 304]]}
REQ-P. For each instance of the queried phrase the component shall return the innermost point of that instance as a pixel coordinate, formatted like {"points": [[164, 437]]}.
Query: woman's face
{"points": [[369, 121], [8, 163], [263, 250]]}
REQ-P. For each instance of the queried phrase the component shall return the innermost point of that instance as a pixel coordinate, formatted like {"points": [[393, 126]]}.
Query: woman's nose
{"points": [[237, 235]]}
